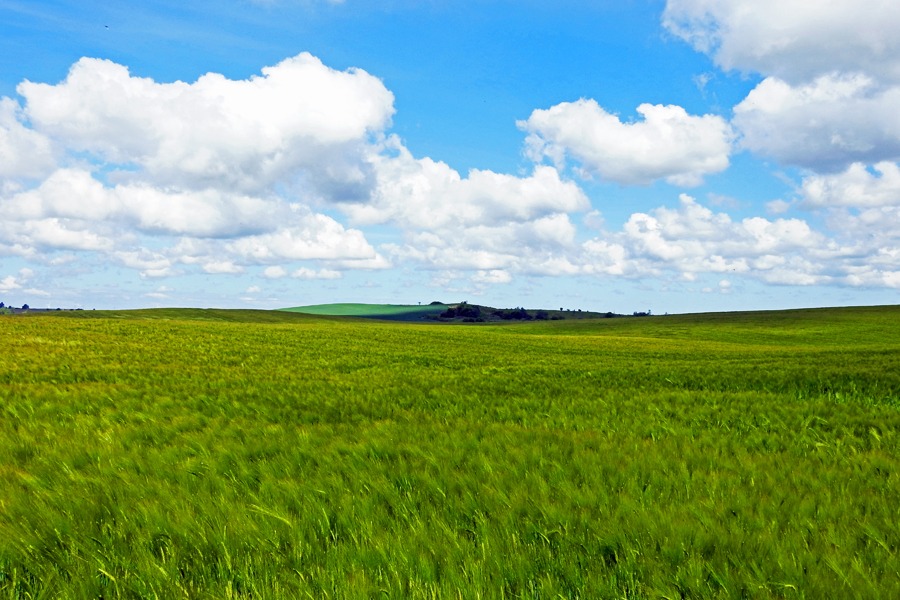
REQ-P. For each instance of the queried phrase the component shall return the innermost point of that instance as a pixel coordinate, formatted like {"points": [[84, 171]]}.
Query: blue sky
{"points": [[677, 156]]}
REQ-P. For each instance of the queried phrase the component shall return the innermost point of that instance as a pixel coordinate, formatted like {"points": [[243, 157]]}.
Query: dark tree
{"points": [[463, 311]]}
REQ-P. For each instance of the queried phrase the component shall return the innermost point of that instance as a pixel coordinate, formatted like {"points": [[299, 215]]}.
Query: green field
{"points": [[256, 454], [389, 312]]}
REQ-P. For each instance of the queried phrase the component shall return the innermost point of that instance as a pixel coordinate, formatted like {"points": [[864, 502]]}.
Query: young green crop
{"points": [[249, 454]]}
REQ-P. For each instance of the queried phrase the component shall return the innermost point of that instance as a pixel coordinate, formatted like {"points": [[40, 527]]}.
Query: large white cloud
{"points": [[424, 193], [493, 224], [795, 40], [71, 210], [692, 240], [298, 116], [76, 194], [825, 124], [215, 175], [876, 232], [831, 74], [857, 186], [667, 143], [24, 153], [533, 247]]}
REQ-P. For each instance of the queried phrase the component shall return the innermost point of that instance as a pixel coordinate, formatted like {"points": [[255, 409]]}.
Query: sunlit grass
{"points": [[270, 455]]}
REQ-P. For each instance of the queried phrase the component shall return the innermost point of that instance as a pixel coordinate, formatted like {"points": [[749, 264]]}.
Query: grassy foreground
{"points": [[245, 454]]}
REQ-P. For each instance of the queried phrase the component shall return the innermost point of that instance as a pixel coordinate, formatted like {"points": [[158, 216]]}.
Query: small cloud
{"points": [[9, 283], [253, 289], [728, 202], [492, 276], [594, 220], [161, 293], [62, 260], [702, 80], [156, 273], [777, 207], [304, 273], [274, 272], [222, 266]]}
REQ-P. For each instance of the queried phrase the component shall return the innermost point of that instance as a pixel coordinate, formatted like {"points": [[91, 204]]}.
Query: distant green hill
{"points": [[392, 312]]}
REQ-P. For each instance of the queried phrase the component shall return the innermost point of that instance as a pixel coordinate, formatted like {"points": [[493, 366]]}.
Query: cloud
{"points": [[491, 277], [215, 175], [857, 186], [304, 273], [667, 143], [148, 263], [220, 175], [794, 40], [24, 153], [777, 207], [874, 231], [38, 236], [692, 240], [298, 116], [222, 266], [276, 272], [314, 237], [486, 221], [284, 174], [424, 193], [77, 194], [160, 293], [73, 211], [9, 283], [826, 124]]}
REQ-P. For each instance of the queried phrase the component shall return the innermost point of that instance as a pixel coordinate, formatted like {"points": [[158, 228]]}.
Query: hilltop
{"points": [[441, 312]]}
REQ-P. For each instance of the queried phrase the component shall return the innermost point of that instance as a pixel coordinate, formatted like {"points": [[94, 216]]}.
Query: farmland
{"points": [[262, 454], [398, 312]]}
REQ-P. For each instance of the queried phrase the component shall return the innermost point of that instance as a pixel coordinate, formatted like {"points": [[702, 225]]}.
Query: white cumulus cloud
{"points": [[691, 240], [857, 186], [831, 74], [667, 143], [9, 283], [305, 273], [424, 193], [795, 40], [215, 132], [214, 175], [825, 124], [77, 194], [24, 153], [487, 222]]}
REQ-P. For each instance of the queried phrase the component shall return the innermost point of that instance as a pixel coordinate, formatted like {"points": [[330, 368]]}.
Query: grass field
{"points": [[388, 312], [255, 454]]}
